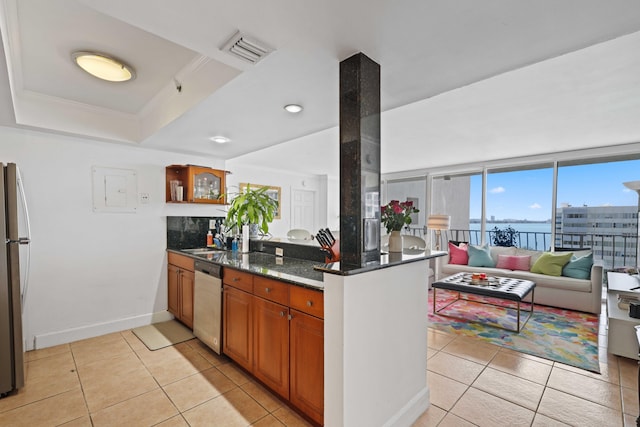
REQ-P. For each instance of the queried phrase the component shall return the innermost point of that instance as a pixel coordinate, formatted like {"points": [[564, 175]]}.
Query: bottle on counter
{"points": [[244, 247], [209, 238], [234, 244]]}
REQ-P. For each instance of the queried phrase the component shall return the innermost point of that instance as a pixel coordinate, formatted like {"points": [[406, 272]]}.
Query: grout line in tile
{"points": [[84, 397], [172, 403]]}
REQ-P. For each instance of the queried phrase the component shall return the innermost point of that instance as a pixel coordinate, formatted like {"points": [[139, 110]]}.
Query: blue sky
{"points": [[527, 194]]}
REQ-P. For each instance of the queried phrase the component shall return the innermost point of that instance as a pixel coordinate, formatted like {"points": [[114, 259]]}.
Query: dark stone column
{"points": [[359, 161]]}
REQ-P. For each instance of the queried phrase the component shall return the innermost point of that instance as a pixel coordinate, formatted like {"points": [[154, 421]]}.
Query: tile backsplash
{"points": [[184, 232]]}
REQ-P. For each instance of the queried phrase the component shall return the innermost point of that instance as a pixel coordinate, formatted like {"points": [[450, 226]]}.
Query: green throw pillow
{"points": [[551, 264], [579, 268], [480, 256]]}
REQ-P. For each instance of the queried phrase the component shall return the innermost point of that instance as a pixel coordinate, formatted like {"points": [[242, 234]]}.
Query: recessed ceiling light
{"points": [[293, 108], [220, 139], [103, 66]]}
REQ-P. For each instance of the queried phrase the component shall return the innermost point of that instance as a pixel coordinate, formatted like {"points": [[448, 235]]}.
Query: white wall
{"points": [[92, 273], [333, 203], [401, 189], [287, 182]]}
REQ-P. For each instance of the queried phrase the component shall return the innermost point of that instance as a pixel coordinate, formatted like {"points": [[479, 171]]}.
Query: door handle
{"points": [[20, 241]]}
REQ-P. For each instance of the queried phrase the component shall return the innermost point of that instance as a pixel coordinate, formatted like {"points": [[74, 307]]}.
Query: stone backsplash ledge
{"points": [[184, 232]]}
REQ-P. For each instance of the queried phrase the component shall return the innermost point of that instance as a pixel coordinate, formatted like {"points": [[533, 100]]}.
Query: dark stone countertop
{"points": [[293, 270], [386, 260], [304, 272]]}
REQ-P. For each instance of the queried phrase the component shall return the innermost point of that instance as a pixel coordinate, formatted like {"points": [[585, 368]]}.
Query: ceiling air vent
{"points": [[246, 48]]}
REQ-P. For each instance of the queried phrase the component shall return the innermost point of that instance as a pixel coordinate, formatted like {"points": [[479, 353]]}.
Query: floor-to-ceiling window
{"points": [[519, 206], [596, 210]]}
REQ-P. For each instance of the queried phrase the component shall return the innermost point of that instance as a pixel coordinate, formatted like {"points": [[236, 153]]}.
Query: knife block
{"points": [[335, 250]]}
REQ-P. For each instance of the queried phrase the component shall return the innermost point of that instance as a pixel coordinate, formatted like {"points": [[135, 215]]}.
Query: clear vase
{"points": [[395, 241]]}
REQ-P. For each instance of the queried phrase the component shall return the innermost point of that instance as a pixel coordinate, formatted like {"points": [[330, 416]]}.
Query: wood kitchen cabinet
{"points": [[181, 278], [199, 184], [276, 332], [237, 314], [271, 345], [306, 352]]}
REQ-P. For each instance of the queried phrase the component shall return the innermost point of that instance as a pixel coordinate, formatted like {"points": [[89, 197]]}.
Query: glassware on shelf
{"points": [[204, 192], [213, 193], [215, 188], [197, 190], [174, 189]]}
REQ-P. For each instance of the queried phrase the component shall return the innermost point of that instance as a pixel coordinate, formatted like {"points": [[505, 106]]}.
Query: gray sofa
{"points": [[563, 292]]}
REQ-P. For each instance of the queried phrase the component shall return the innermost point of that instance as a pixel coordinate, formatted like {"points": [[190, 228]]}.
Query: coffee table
{"points": [[504, 288]]}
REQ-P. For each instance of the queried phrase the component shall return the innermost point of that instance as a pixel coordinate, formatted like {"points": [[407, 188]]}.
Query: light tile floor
{"points": [[474, 383], [114, 380]]}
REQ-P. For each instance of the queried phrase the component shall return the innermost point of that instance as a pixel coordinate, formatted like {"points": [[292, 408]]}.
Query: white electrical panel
{"points": [[114, 190]]}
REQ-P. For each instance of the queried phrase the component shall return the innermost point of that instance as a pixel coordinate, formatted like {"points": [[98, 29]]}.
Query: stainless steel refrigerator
{"points": [[11, 292]]}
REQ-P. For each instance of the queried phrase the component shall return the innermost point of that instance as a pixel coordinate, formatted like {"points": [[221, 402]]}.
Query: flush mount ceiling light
{"points": [[220, 139], [103, 66], [293, 108]]}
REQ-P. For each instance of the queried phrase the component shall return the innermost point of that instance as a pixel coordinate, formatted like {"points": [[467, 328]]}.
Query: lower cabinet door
{"points": [[173, 283], [237, 340], [307, 364], [187, 279], [271, 345]]}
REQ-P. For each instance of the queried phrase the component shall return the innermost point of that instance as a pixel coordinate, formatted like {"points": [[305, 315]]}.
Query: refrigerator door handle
{"points": [[24, 240], [20, 241]]}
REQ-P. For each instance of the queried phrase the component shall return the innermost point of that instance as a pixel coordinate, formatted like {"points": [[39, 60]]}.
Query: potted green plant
{"points": [[253, 206]]}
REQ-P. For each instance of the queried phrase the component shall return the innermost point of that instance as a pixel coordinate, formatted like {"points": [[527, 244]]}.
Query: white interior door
{"points": [[303, 209]]}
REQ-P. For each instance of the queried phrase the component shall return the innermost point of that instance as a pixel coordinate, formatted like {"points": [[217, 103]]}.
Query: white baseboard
{"points": [[74, 334], [411, 411]]}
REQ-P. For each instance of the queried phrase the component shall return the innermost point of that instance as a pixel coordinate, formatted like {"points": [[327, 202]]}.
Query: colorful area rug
{"points": [[565, 336]]}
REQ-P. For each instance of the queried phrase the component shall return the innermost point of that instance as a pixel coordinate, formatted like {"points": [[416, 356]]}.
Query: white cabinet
{"points": [[621, 335]]}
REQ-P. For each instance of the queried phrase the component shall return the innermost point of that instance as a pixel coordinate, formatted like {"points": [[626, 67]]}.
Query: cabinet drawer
{"points": [[238, 279], [271, 290], [182, 261], [307, 301]]}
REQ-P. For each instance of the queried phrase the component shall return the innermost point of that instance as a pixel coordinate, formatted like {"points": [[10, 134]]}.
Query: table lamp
{"points": [[438, 223]]}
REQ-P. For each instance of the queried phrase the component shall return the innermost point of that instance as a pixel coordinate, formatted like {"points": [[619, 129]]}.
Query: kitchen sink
{"points": [[196, 251]]}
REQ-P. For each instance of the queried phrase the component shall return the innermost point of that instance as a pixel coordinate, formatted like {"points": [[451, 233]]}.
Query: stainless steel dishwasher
{"points": [[207, 302]]}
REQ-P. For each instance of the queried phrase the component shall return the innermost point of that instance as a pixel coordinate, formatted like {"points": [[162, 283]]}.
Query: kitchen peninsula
{"points": [[368, 324]]}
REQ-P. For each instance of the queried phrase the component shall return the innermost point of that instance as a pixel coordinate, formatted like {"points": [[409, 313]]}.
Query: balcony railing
{"points": [[613, 250]]}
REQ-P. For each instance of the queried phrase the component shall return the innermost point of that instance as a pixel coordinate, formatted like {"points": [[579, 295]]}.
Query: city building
{"points": [[610, 231]]}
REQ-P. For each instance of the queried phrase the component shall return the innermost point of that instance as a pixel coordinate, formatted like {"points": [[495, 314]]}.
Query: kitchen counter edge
{"points": [[261, 266], [387, 259]]}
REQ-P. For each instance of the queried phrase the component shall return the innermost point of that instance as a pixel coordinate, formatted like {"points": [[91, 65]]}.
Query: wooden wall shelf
{"points": [[200, 184]]}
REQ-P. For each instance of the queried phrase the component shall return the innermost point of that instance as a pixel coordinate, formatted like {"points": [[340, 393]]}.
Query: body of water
{"points": [[528, 227]]}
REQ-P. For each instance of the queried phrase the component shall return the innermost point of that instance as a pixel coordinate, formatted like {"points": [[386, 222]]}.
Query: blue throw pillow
{"points": [[480, 256], [579, 268]]}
